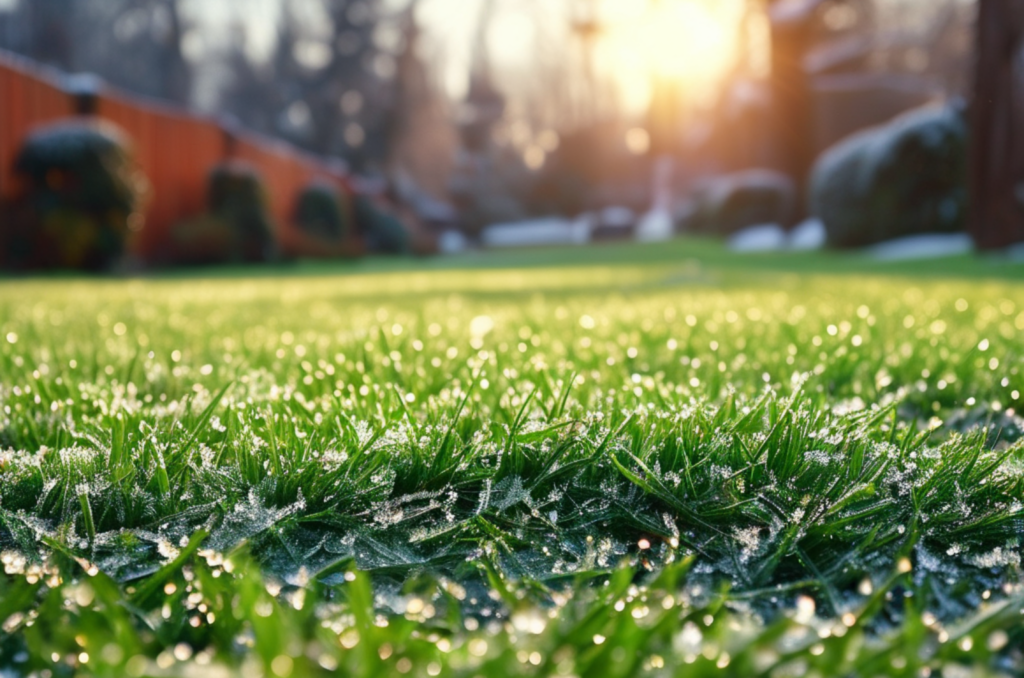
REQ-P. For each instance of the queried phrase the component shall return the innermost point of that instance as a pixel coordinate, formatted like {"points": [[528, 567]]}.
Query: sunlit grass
{"points": [[775, 474]]}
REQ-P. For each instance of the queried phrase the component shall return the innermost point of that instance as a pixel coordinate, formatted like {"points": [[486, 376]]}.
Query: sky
{"points": [[691, 41]]}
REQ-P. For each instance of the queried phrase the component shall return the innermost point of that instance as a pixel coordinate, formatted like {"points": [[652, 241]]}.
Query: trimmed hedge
{"points": [[79, 196], [323, 211], [383, 231], [237, 197], [738, 201], [906, 178]]}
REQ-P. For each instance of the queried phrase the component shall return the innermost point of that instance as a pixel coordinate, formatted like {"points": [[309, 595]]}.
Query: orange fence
{"points": [[176, 151], [286, 172], [29, 96], [173, 147]]}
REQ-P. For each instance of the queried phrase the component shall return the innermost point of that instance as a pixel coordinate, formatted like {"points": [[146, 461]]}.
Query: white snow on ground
{"points": [[616, 217], [656, 226], [452, 242], [928, 246], [1015, 252], [763, 238], [809, 235], [536, 232]]}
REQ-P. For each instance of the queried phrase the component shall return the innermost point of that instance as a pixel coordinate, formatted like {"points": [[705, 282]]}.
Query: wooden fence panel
{"points": [[176, 151], [286, 172], [29, 97], [274, 163]]}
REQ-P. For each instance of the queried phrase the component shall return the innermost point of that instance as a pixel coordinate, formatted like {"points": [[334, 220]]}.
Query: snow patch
{"points": [[452, 242], [655, 226], [762, 238], [809, 235], [537, 232], [927, 246], [1016, 252]]}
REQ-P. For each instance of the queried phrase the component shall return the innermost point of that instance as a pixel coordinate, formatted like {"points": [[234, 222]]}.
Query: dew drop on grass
{"points": [[805, 609]]}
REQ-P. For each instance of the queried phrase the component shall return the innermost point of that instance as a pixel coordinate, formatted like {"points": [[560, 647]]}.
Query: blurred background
{"points": [[153, 132]]}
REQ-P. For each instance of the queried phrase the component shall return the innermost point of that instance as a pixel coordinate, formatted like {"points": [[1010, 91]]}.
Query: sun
{"points": [[689, 43], [683, 40]]}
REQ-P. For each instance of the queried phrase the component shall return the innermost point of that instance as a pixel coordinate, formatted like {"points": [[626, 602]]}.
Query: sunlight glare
{"points": [[638, 141], [689, 43]]}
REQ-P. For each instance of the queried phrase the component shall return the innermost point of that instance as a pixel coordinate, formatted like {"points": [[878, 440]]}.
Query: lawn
{"points": [[626, 460]]}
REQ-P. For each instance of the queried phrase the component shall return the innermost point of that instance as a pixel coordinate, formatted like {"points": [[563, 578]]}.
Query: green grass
{"points": [[617, 461]]}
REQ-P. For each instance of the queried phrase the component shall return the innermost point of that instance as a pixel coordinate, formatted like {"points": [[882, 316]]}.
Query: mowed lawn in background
{"points": [[624, 460]]}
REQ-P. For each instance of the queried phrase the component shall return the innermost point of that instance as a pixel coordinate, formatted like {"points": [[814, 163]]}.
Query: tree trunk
{"points": [[997, 126]]}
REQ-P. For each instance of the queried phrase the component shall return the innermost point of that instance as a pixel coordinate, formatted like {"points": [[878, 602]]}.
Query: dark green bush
{"points": [[79, 195], [322, 211], [738, 201], [383, 232], [237, 197], [906, 178], [204, 239]]}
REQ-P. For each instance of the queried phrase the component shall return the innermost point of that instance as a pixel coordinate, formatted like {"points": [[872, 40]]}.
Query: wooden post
{"points": [[84, 90], [792, 119], [997, 126]]}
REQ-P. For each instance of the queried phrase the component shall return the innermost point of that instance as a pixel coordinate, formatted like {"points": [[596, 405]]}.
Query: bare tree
{"points": [[42, 30], [422, 137], [133, 44], [137, 45], [330, 83]]}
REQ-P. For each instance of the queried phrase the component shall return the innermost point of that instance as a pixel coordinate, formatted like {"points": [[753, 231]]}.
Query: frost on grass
{"points": [[781, 440], [249, 518], [761, 492]]}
